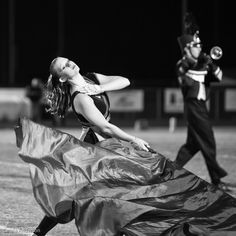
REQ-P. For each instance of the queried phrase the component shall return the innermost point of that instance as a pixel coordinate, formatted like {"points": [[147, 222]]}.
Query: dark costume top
{"points": [[101, 101]]}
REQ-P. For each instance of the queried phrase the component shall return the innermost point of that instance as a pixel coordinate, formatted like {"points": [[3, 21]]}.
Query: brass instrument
{"points": [[216, 53]]}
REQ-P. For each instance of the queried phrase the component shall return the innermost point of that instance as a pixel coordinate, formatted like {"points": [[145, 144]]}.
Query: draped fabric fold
{"points": [[111, 188]]}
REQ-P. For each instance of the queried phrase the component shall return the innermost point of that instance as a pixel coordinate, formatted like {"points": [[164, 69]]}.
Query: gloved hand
{"points": [[140, 144], [207, 60]]}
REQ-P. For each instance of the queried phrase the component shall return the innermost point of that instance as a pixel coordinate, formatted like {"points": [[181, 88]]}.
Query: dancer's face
{"points": [[64, 68]]}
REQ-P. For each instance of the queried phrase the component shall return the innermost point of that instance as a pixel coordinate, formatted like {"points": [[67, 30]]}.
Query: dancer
{"points": [[87, 97], [114, 186], [66, 86]]}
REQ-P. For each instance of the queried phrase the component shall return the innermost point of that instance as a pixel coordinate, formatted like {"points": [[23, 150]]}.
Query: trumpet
{"points": [[216, 53]]}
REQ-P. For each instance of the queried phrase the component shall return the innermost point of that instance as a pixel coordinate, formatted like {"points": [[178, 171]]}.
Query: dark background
{"points": [[137, 40]]}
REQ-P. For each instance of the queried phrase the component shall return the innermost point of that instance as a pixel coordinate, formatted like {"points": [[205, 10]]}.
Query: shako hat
{"points": [[191, 32]]}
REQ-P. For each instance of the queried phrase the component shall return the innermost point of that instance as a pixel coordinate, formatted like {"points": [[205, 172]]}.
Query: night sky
{"points": [[135, 40]]}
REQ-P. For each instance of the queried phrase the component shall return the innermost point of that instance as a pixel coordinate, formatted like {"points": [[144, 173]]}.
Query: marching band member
{"points": [[195, 72]]}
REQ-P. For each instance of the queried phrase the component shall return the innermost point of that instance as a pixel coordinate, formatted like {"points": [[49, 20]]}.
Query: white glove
{"points": [[91, 89], [140, 144]]}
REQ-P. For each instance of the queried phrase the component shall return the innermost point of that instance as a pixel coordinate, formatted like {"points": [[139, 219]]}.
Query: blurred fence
{"points": [[160, 105], [147, 106], [13, 104]]}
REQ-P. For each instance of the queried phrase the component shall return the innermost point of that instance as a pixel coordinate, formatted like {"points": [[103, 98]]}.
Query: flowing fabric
{"points": [[112, 189]]}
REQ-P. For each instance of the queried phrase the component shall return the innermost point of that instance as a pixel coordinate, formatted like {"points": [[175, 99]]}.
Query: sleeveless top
{"points": [[101, 101]]}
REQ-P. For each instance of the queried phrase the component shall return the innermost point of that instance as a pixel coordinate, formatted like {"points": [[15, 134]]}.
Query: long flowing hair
{"points": [[57, 95]]}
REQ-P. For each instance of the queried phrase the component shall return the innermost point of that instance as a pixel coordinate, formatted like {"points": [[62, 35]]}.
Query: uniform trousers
{"points": [[200, 137]]}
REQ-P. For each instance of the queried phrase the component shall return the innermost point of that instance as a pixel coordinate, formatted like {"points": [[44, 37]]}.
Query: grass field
{"points": [[20, 213]]}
